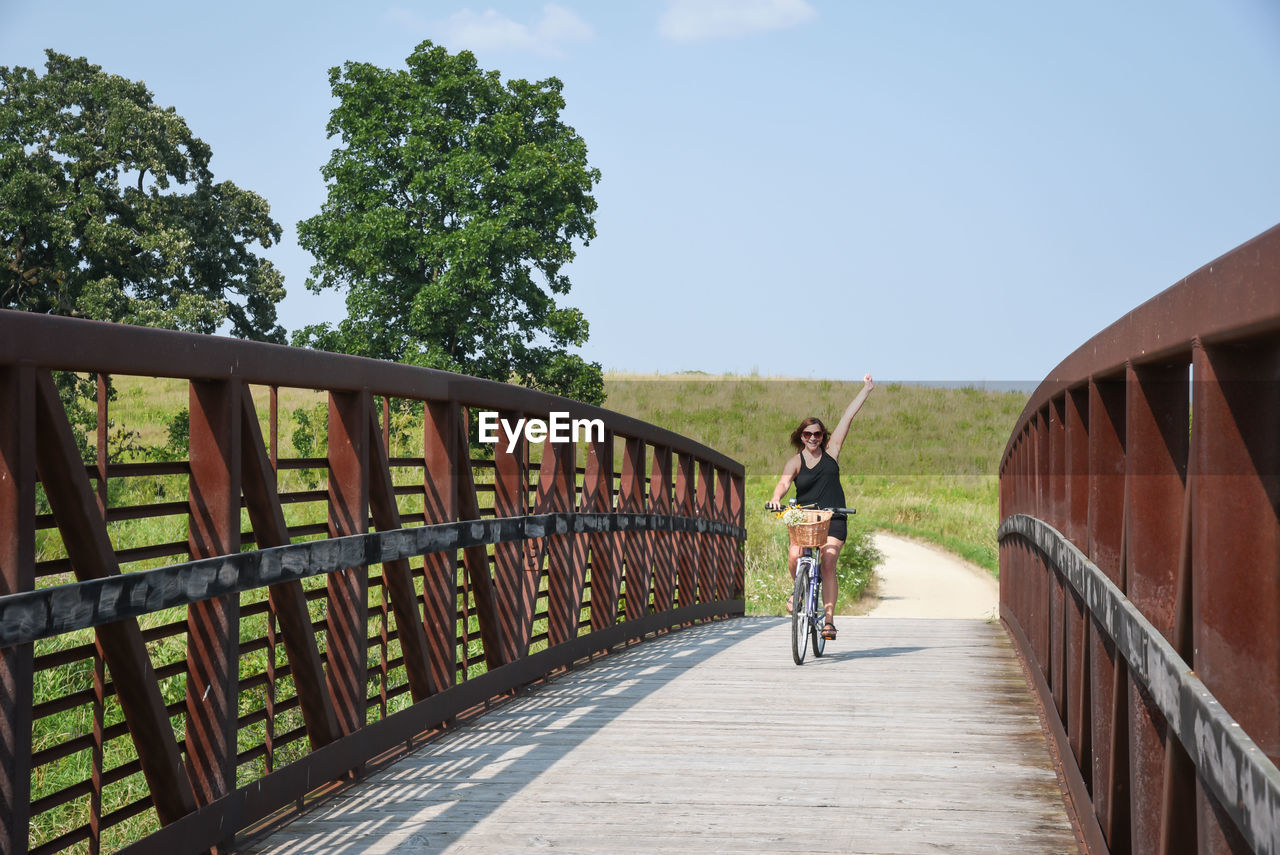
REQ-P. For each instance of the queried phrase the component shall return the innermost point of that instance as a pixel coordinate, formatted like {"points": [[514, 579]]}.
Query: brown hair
{"points": [[795, 434]]}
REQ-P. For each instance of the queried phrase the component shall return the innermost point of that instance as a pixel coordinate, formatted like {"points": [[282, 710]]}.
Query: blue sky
{"points": [[957, 190]]}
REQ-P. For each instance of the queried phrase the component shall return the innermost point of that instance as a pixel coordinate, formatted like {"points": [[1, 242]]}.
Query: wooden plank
{"points": [[909, 736]]}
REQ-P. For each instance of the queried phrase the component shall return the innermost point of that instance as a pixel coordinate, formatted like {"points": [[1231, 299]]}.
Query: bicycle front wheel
{"points": [[801, 622]]}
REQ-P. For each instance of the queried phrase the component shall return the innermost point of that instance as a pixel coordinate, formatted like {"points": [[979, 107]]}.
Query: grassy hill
{"points": [[919, 461]]}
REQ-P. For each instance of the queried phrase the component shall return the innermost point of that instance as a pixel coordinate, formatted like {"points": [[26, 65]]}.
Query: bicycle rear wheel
{"points": [[800, 619], [817, 618]]}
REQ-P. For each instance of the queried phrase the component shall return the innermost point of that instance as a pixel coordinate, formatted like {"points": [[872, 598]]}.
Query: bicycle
{"points": [[807, 610]]}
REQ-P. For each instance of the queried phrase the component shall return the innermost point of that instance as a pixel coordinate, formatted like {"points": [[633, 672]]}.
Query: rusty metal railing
{"points": [[163, 692], [1140, 564]]}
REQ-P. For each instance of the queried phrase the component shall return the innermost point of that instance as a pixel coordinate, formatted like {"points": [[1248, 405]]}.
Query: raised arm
{"points": [[842, 429]]}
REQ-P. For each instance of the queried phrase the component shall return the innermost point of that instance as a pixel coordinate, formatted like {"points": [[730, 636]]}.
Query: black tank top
{"points": [[820, 485]]}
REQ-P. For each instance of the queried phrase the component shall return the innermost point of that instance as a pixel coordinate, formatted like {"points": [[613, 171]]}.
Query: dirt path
{"points": [[917, 580]]}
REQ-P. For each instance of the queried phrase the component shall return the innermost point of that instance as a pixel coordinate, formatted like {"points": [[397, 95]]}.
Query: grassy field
{"points": [[919, 461]]}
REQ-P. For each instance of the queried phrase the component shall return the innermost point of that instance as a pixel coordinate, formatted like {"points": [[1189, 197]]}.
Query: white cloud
{"points": [[704, 20], [492, 30]]}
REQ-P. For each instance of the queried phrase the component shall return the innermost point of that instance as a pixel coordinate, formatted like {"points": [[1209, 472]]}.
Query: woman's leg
{"points": [[793, 555], [830, 552]]}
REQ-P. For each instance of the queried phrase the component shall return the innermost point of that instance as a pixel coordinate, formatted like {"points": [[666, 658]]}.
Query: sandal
{"points": [[790, 607], [829, 631]]}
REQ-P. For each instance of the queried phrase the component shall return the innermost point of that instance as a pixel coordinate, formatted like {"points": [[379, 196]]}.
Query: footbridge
{"points": [[409, 639]]}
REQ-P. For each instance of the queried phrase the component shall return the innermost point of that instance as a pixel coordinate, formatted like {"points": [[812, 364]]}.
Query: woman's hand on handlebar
{"points": [[773, 505]]}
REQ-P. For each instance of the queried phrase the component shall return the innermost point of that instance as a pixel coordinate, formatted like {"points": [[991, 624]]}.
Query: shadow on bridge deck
{"points": [[711, 739]]}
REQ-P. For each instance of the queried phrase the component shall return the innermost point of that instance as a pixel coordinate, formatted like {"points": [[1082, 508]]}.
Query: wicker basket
{"points": [[813, 531]]}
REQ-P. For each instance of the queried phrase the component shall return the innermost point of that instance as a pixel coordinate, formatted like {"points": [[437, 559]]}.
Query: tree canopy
{"points": [[453, 205], [91, 220]]}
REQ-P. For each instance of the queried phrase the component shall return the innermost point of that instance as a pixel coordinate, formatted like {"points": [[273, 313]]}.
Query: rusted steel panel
{"points": [[1008, 505], [479, 576], [1236, 544], [1041, 616], [1178, 834], [17, 573], [606, 552], [439, 570], [567, 565], [397, 577], [1030, 479], [104, 422], [1156, 421], [1242, 778], [635, 551], [737, 516], [660, 544], [1106, 542], [1058, 635], [287, 599], [1057, 456], [346, 637], [77, 345], [213, 626], [515, 579], [686, 545], [1076, 467], [1076, 476], [1022, 581], [724, 556], [85, 536], [704, 498]]}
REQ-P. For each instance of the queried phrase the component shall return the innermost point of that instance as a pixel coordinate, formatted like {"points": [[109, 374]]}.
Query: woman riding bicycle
{"points": [[817, 478]]}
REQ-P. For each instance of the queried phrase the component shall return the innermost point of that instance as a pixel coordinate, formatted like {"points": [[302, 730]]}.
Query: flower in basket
{"points": [[792, 516]]}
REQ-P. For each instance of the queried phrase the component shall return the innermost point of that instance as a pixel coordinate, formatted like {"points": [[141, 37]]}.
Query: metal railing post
{"points": [[17, 574], [213, 626]]}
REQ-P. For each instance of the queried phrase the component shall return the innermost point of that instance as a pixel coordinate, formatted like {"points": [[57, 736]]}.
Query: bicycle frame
{"points": [[809, 613]]}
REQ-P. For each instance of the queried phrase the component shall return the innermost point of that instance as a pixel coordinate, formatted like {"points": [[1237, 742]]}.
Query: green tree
{"points": [[453, 205], [91, 220]]}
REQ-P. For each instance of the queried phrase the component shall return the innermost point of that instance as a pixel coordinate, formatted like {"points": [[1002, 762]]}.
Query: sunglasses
{"points": [[816, 434]]}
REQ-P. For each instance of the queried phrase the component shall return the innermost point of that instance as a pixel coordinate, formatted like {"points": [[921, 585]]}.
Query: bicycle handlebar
{"points": [[792, 504]]}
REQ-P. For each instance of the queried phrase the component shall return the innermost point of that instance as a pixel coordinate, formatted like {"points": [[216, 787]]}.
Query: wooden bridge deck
{"points": [[910, 736]]}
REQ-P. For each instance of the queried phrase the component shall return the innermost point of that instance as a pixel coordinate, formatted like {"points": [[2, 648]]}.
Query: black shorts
{"points": [[839, 528]]}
